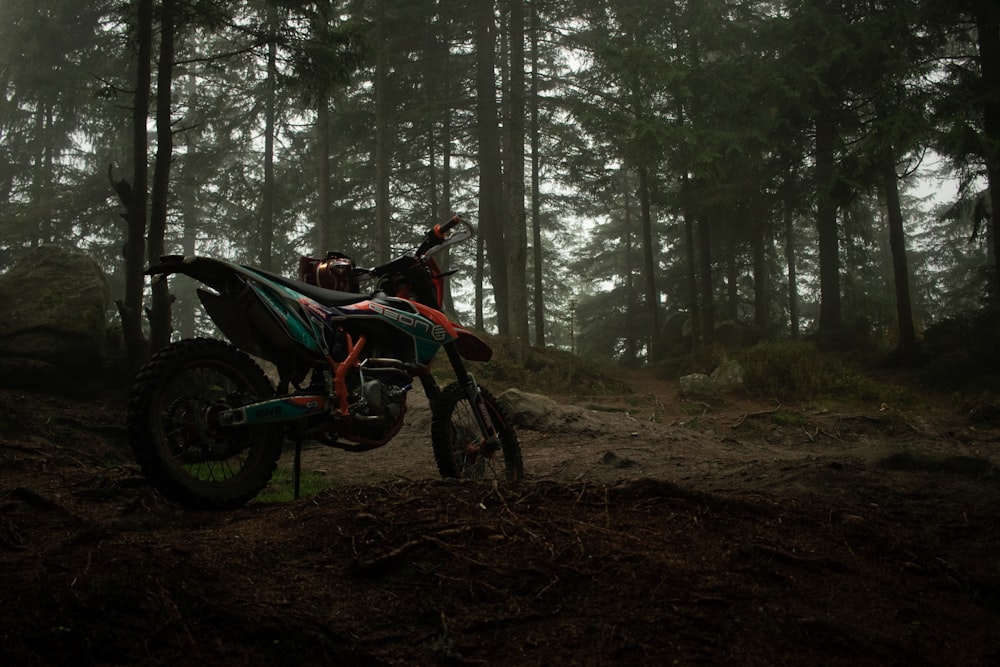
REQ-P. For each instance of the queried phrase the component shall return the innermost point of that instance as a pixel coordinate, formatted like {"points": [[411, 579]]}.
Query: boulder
{"points": [[526, 410], [697, 385], [728, 376], [54, 309]]}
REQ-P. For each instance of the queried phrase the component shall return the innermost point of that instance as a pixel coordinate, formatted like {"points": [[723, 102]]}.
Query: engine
{"points": [[380, 397]]}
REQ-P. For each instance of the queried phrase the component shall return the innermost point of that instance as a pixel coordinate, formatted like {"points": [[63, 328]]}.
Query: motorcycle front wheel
{"points": [[174, 430], [458, 444]]}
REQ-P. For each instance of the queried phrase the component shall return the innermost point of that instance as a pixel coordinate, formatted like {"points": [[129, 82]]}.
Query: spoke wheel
{"points": [[174, 428], [459, 447]]}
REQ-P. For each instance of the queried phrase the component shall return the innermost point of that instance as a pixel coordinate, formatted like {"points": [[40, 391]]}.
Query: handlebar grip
{"points": [[441, 230]]}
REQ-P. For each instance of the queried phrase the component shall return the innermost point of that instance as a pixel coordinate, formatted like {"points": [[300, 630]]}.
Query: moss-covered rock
{"points": [[54, 308]]}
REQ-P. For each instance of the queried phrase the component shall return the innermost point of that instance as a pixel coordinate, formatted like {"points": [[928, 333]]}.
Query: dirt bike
{"points": [[207, 427]]}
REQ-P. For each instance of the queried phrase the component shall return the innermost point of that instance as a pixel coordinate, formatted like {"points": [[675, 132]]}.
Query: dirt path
{"points": [[727, 445], [651, 531]]}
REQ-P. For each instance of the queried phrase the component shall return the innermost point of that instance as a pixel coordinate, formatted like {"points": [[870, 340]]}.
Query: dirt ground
{"points": [[651, 531]]}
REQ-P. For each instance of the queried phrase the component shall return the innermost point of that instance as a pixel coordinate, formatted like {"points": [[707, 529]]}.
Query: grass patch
{"points": [[799, 371], [786, 418], [544, 371], [281, 488]]}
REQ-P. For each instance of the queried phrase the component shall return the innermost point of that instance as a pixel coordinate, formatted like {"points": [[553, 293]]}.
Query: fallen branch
{"points": [[754, 415], [377, 564], [705, 406]]}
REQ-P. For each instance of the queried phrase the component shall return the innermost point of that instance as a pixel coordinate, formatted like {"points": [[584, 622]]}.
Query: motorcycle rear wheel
{"points": [[174, 430], [457, 439]]}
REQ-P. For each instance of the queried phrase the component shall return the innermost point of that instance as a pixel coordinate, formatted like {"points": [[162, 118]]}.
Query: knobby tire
{"points": [[455, 434], [185, 454]]}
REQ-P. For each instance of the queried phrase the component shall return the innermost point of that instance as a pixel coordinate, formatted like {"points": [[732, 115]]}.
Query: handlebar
{"points": [[418, 271], [438, 234], [441, 230]]}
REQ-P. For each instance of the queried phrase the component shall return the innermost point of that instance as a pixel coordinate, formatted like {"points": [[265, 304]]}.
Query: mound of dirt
{"points": [[650, 531]]}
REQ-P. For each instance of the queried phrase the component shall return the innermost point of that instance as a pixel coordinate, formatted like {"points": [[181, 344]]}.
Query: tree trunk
{"points": [[433, 205], [159, 319], [444, 212], [134, 197], [536, 197], [185, 307], [631, 306], [732, 281], [761, 279], [516, 239], [897, 243], [649, 264], [270, 103], [480, 318], [793, 289], [692, 262], [326, 237], [987, 14], [707, 300], [490, 171], [41, 182], [383, 249], [826, 224], [439, 69]]}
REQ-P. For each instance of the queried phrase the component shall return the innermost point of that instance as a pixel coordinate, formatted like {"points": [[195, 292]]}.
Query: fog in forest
{"points": [[640, 174]]}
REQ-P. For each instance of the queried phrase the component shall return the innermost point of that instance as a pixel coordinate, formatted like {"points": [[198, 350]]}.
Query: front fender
{"points": [[471, 346]]}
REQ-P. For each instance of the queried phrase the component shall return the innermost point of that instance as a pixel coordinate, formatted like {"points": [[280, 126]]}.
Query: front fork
{"points": [[491, 439]]}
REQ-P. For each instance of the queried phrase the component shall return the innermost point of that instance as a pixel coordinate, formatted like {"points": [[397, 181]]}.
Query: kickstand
{"points": [[297, 466]]}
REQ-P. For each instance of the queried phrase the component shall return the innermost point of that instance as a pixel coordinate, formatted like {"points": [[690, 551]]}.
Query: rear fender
{"points": [[266, 331], [216, 273]]}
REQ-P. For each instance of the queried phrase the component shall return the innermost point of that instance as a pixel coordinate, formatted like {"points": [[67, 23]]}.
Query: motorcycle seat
{"points": [[327, 297]]}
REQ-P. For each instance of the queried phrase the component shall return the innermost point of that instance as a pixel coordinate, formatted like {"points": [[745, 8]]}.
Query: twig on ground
{"points": [[373, 565], [754, 415]]}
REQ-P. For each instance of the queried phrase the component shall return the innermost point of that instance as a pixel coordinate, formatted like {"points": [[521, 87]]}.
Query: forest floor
{"points": [[650, 531]]}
